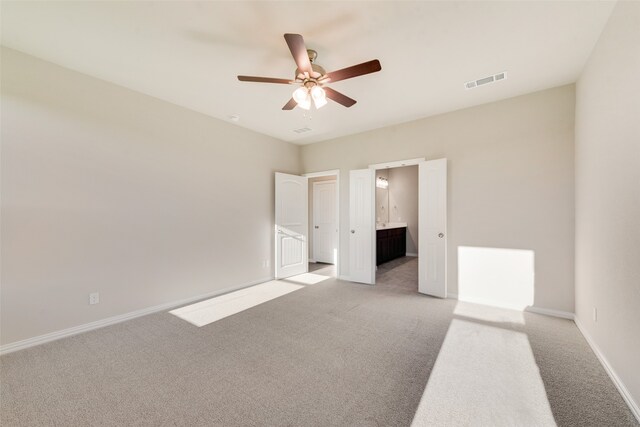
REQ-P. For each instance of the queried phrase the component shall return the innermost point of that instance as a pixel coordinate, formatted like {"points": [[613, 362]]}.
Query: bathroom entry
{"points": [[397, 227], [432, 234]]}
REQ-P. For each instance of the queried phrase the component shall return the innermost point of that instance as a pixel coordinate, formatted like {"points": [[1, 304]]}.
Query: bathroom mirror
{"points": [[382, 196]]}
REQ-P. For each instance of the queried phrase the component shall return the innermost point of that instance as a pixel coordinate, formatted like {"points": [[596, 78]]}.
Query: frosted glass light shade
{"points": [[300, 94], [319, 96], [302, 97]]}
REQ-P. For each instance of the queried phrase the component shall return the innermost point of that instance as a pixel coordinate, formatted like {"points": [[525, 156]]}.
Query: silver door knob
{"points": [[441, 235], [316, 226], [353, 231]]}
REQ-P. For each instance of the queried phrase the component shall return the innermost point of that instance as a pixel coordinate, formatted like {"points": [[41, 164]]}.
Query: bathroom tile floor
{"points": [[399, 274]]}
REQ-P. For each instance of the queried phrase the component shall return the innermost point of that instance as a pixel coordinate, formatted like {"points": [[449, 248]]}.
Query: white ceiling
{"points": [[189, 53]]}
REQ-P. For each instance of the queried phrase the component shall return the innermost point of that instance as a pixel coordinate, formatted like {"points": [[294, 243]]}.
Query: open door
{"points": [[432, 223], [362, 230], [291, 225]]}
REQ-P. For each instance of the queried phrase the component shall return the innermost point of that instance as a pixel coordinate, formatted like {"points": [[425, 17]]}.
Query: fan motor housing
{"points": [[315, 67]]}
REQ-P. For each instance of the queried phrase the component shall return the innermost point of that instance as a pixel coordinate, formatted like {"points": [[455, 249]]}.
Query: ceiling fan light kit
{"points": [[312, 77], [319, 96], [302, 97]]}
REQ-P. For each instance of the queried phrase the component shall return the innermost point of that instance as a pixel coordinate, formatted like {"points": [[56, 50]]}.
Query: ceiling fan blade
{"points": [[264, 80], [355, 71], [338, 97], [299, 52], [290, 105]]}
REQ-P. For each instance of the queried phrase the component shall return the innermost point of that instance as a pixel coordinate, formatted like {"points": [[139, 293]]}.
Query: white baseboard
{"points": [[52, 336], [635, 408], [411, 254], [538, 310], [312, 260], [551, 312]]}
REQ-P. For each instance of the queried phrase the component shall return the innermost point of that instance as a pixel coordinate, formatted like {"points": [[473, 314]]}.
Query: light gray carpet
{"points": [[334, 353]]}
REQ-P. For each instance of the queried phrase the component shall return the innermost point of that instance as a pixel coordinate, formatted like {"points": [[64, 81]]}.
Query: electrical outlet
{"points": [[94, 298], [267, 263], [595, 314]]}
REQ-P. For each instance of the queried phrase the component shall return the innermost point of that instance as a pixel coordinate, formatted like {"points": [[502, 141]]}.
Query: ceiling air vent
{"points": [[485, 80], [302, 130]]}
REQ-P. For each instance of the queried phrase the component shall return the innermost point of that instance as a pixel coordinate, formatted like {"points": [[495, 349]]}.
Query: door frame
{"points": [[336, 173], [398, 164]]}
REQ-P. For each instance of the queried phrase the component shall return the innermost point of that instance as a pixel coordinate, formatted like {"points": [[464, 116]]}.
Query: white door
{"points": [[291, 225], [432, 223], [362, 230], [325, 227]]}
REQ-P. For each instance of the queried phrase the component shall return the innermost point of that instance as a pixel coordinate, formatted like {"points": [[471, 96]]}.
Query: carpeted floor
{"points": [[333, 353]]}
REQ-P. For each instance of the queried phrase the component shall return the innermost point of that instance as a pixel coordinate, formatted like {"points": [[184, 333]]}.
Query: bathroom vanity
{"points": [[391, 241]]}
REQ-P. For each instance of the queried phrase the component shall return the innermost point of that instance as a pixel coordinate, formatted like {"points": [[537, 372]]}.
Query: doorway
{"points": [[432, 211], [294, 218], [397, 224], [324, 230]]}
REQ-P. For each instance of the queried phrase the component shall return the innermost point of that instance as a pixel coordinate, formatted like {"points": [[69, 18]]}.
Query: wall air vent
{"points": [[485, 80], [303, 130]]}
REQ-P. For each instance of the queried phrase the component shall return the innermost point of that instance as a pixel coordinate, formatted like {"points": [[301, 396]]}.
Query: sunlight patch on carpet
{"points": [[485, 374], [488, 313], [205, 312], [307, 278]]}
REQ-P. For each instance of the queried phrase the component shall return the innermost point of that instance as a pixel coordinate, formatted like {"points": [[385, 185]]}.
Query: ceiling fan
{"points": [[312, 78]]}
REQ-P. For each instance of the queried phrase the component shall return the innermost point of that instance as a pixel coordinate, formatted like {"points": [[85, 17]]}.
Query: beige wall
{"points": [[510, 182], [608, 195], [108, 190], [403, 202]]}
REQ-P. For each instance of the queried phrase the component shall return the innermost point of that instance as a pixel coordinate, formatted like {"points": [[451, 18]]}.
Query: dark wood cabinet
{"points": [[390, 244]]}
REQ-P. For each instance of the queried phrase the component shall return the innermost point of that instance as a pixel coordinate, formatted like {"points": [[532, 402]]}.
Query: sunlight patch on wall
{"points": [[496, 276]]}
